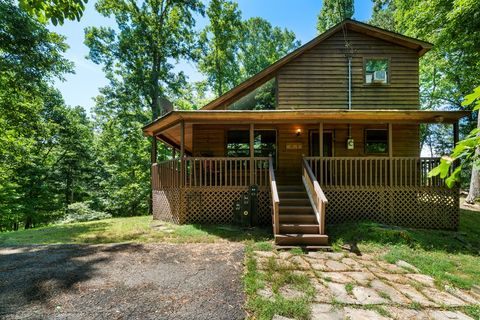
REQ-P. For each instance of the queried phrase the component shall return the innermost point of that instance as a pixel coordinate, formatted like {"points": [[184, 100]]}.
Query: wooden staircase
{"points": [[298, 225]]}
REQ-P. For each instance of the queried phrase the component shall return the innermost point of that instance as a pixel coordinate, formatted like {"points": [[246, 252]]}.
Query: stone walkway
{"points": [[362, 287]]}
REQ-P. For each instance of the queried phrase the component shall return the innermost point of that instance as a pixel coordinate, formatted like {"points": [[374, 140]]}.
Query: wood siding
{"points": [[209, 140], [319, 77]]}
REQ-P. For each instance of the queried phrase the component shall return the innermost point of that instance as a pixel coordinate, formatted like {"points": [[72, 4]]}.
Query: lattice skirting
{"points": [[430, 208], [167, 205], [206, 205]]}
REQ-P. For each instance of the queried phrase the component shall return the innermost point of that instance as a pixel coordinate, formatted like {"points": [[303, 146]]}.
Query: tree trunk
{"points": [[474, 191]]}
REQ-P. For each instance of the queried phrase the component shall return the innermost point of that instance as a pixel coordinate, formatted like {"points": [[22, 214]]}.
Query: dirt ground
{"points": [[122, 281]]}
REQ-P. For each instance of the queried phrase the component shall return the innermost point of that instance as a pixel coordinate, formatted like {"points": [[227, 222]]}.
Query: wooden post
{"points": [[320, 149], [154, 151], [182, 151], [390, 159], [173, 152], [455, 134], [320, 139], [252, 151]]}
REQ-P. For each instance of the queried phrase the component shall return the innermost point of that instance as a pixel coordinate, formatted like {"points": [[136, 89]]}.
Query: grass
{"points": [[450, 257], [275, 277], [132, 229]]}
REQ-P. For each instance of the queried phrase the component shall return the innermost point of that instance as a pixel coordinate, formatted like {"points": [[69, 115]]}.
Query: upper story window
{"points": [[376, 141], [376, 71]]}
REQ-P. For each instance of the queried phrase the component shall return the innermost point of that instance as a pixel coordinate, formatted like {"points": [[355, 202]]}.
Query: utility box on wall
{"points": [[350, 144]]}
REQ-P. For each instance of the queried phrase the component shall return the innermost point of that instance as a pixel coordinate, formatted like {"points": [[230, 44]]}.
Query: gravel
{"points": [[122, 281]]}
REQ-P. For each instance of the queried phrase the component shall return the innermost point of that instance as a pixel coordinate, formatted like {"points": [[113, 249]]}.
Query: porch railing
{"points": [[275, 198], [211, 172], [315, 193], [374, 171]]}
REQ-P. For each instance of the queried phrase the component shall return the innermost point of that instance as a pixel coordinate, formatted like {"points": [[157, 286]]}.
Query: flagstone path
{"points": [[362, 287]]}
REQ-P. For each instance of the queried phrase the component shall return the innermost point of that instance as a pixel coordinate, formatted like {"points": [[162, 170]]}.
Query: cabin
{"points": [[330, 133]]}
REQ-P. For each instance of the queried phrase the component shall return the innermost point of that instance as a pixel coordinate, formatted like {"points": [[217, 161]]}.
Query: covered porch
{"points": [[204, 179]]}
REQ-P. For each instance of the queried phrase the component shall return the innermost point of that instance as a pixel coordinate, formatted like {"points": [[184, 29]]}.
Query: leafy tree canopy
{"points": [[54, 10], [333, 12]]}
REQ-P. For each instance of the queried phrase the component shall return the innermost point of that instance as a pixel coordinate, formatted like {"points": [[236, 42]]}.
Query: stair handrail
{"points": [[275, 198], [315, 194]]}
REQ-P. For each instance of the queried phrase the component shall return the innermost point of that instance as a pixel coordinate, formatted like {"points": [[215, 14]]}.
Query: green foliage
{"points": [[218, 44], [466, 150], [81, 212], [54, 10], [45, 147], [334, 12]]}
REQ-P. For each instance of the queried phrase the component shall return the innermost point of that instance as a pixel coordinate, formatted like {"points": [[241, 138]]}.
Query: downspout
{"points": [[349, 93], [349, 82]]}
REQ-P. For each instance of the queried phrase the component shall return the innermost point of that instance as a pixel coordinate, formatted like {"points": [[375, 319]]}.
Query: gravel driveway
{"points": [[122, 281]]}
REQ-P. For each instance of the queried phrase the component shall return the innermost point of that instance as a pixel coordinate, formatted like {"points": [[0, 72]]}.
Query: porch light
{"points": [[299, 131]]}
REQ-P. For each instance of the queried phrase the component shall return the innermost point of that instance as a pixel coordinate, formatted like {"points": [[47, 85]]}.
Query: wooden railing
{"points": [[374, 171], [225, 172], [275, 198], [211, 172], [315, 193], [166, 174]]}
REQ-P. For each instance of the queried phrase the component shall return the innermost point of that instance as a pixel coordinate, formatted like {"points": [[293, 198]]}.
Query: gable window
{"points": [[264, 143], [376, 141], [376, 71]]}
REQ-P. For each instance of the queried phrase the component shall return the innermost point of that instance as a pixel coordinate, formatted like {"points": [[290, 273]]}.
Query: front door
{"points": [[314, 145]]}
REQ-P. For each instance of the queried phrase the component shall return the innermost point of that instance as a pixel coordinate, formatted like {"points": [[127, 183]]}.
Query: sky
{"points": [[299, 16]]}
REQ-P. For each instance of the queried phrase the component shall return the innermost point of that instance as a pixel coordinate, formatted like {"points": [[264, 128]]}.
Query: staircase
{"points": [[298, 223]]}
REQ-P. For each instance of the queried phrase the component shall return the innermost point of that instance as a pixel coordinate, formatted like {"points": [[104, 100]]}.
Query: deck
{"points": [[390, 190]]}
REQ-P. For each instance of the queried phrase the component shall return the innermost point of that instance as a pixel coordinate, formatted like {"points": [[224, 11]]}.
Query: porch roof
{"points": [[300, 116]]}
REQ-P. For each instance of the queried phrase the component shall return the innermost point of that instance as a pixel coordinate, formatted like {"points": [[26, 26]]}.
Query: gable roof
{"points": [[421, 47]]}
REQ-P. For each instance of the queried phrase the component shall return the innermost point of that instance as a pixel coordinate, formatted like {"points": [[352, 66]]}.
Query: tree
{"points": [[137, 58], [450, 71], [32, 119], [467, 152], [383, 15], [54, 10], [333, 12], [261, 45], [219, 44]]}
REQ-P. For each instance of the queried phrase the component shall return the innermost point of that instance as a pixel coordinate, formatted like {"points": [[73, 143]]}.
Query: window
{"points": [[376, 141], [264, 143], [376, 71], [238, 144]]}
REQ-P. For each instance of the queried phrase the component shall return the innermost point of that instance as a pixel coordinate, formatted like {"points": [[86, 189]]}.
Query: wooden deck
{"points": [[391, 190]]}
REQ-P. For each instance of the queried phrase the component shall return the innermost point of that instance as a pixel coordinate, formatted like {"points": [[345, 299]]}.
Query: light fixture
{"points": [[299, 131]]}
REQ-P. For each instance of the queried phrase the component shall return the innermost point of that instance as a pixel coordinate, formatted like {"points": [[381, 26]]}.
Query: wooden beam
{"points": [[455, 134], [390, 139], [182, 152], [320, 139], [252, 153]]}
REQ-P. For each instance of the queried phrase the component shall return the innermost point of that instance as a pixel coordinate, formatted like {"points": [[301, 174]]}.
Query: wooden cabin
{"points": [[328, 134]]}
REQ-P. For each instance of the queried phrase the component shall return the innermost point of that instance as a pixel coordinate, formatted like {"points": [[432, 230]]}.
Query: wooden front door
{"points": [[314, 145]]}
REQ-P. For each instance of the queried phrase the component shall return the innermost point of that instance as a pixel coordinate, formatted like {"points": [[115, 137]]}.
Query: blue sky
{"points": [[80, 88]]}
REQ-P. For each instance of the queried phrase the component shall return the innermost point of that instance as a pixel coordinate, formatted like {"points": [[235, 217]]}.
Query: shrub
{"points": [[81, 211]]}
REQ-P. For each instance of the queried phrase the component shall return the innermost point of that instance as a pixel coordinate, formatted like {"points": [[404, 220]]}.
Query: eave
{"points": [[301, 116]]}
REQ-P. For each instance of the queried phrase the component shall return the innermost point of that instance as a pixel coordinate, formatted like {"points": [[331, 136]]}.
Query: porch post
{"points": [[182, 151], [390, 151], [320, 148], [320, 139], [455, 133], [154, 152], [252, 137], [173, 152]]}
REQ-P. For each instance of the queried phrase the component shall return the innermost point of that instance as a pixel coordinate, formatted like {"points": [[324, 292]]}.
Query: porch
{"points": [[394, 191]]}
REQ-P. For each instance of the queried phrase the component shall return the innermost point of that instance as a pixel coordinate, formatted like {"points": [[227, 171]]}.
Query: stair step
{"points": [[301, 239], [292, 195], [305, 247], [291, 188], [295, 209], [303, 202], [298, 218], [299, 228]]}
